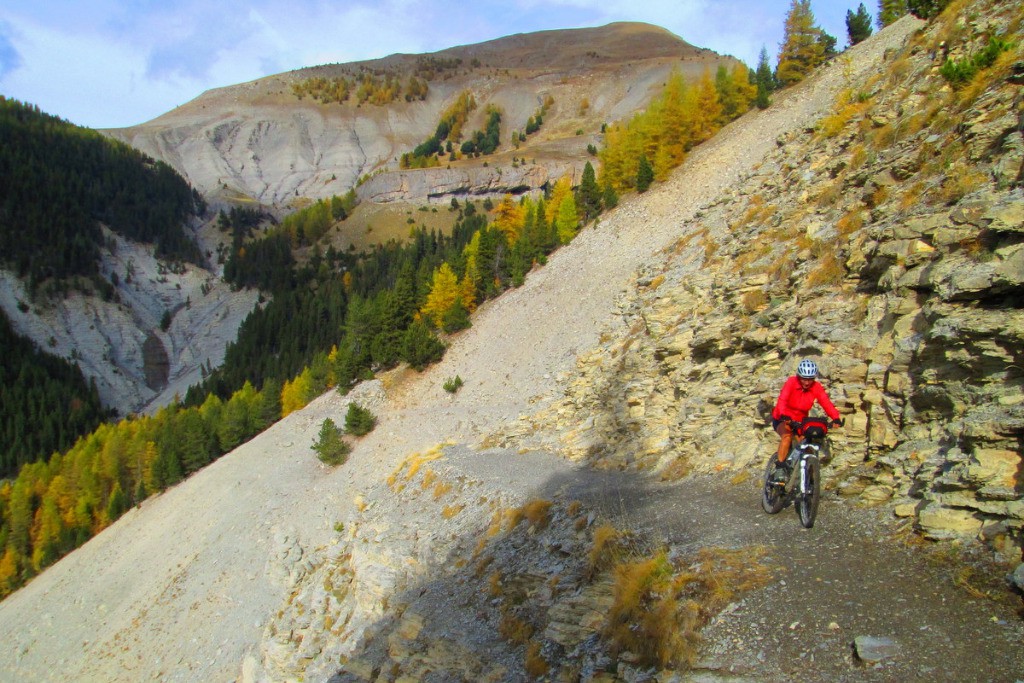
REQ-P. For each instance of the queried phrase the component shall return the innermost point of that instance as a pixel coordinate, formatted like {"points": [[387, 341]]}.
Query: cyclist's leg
{"points": [[785, 439]]}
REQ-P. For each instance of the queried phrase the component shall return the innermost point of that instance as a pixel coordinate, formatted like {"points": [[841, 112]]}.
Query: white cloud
{"points": [[87, 81]]}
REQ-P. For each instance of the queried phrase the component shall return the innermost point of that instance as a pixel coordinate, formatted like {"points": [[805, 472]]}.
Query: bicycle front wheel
{"points": [[809, 494]]}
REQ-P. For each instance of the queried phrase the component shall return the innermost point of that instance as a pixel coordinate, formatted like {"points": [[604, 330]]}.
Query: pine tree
{"points": [[890, 10], [644, 175], [926, 9], [802, 46], [330, 448], [610, 197], [764, 80], [359, 421], [420, 347], [589, 195], [858, 26]]}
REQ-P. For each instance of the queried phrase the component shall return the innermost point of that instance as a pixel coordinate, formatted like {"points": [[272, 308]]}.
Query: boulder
{"points": [[874, 650], [944, 523]]}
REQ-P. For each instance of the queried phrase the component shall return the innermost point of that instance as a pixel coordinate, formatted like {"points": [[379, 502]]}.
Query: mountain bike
{"points": [[803, 485]]}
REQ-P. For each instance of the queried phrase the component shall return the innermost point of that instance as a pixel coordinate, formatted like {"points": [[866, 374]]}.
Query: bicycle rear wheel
{"points": [[808, 497], [772, 495]]}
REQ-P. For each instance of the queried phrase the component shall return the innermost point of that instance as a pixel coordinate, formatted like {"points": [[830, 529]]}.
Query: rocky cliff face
{"points": [[260, 141], [887, 243], [122, 344]]}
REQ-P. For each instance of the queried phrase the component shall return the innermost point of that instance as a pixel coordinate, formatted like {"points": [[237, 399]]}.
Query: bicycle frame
{"points": [[804, 484]]}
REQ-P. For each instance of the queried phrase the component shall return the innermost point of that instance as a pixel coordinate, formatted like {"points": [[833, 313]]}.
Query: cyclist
{"points": [[796, 400]]}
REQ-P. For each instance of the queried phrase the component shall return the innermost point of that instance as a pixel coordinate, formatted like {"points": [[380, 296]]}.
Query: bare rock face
{"points": [[121, 344], [259, 140], [441, 184]]}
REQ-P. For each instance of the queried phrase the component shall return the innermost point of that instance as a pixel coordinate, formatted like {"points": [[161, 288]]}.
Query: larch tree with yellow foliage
{"points": [[509, 217], [802, 47], [567, 220], [445, 294], [681, 117]]}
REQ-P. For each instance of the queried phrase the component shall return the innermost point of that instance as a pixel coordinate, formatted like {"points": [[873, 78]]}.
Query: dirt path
{"points": [[846, 577]]}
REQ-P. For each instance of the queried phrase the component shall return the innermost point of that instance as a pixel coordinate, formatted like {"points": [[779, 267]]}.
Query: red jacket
{"points": [[795, 401]]}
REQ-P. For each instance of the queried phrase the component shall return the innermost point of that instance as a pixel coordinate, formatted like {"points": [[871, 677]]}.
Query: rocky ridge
{"points": [[258, 141]]}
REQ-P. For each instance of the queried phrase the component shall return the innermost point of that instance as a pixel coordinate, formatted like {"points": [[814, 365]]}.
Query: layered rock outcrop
{"points": [[887, 243]]}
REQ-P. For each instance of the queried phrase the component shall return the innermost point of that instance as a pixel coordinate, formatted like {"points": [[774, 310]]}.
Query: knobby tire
{"points": [[772, 495], [807, 501]]}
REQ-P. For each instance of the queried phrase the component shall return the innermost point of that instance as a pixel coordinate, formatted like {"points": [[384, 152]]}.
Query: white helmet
{"points": [[807, 368]]}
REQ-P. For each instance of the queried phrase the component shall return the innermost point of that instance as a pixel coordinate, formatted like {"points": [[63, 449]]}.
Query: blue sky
{"points": [[111, 63]]}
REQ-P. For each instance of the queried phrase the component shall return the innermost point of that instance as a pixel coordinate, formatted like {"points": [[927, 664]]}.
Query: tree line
{"points": [[45, 402], [61, 181]]}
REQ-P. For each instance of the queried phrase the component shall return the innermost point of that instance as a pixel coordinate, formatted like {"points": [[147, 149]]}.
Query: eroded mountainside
{"points": [[259, 140]]}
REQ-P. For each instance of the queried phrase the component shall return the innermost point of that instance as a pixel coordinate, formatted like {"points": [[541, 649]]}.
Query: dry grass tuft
{"points": [[858, 157], [497, 519], [656, 282], [449, 511], [536, 665], [441, 488], [494, 584], [538, 512], [647, 618], [754, 300], [676, 470], [604, 550], [850, 223], [512, 517], [848, 107], [411, 465], [658, 607], [911, 197], [514, 630], [740, 477], [830, 271], [960, 181]]}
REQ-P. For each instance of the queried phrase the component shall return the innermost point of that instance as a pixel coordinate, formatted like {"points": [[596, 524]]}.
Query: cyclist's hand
{"points": [[837, 423]]}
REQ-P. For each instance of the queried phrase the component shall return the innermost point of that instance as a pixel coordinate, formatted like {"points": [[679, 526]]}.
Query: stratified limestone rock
{"points": [[945, 523], [834, 249]]}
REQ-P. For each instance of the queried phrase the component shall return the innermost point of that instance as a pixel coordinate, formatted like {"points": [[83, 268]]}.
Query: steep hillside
{"points": [[259, 140], [885, 242], [449, 546]]}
